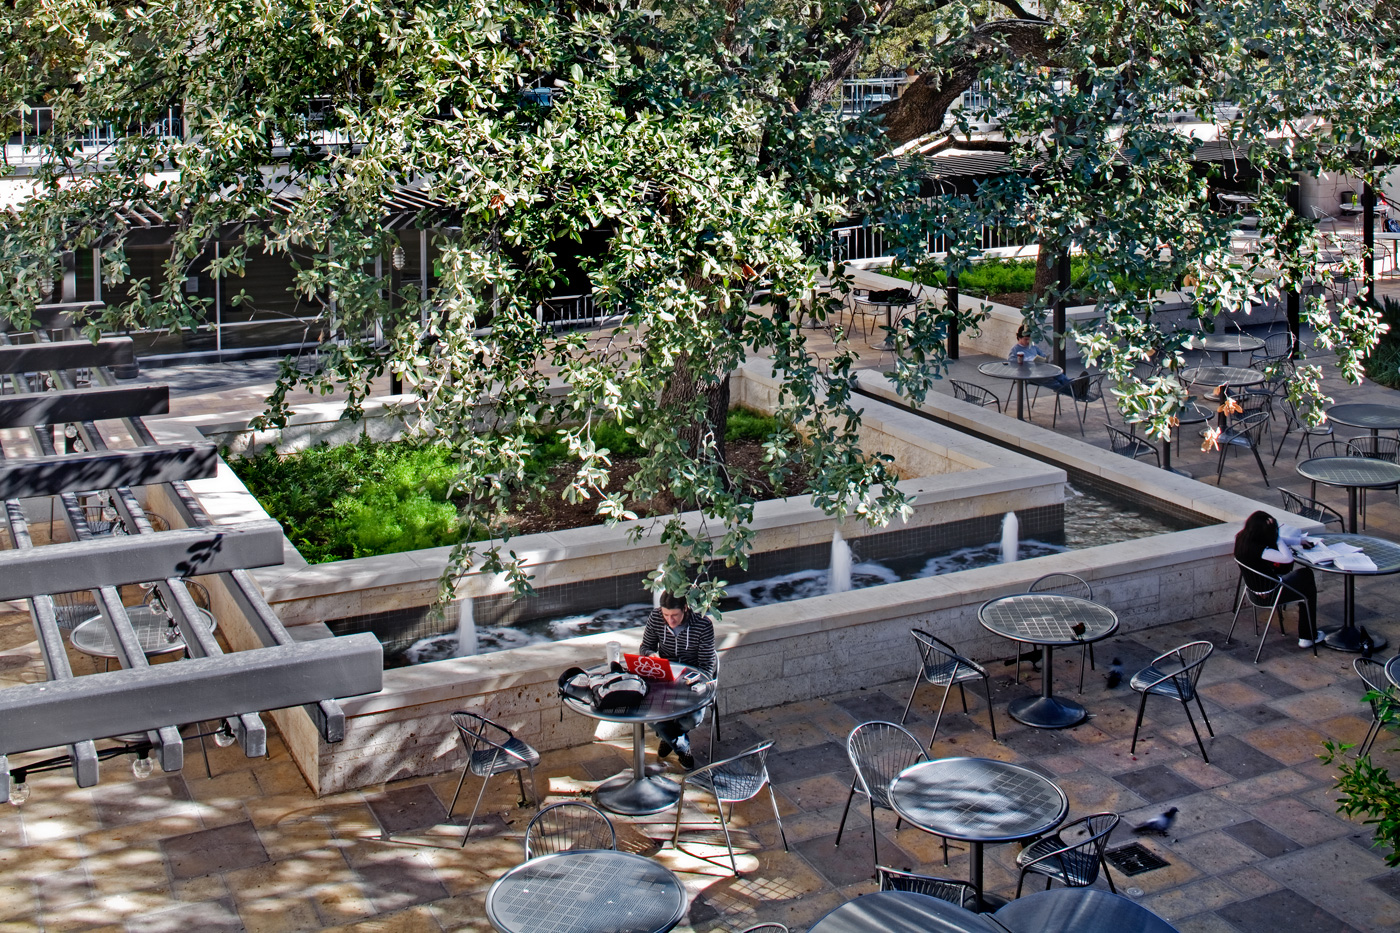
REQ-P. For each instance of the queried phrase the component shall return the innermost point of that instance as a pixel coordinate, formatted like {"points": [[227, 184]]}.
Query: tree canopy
{"points": [[681, 157]]}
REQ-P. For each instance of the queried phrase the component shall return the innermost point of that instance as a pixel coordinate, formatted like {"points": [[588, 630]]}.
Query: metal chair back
{"points": [[766, 928], [737, 778], [945, 889], [1335, 448], [878, 752], [977, 395], [1372, 674], [1073, 863], [1376, 447], [561, 827], [1192, 657], [1309, 508], [1277, 346], [1070, 584], [1128, 445]]}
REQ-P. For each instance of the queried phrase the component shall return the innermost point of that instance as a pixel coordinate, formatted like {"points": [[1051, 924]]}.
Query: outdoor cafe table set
{"points": [[972, 800]]}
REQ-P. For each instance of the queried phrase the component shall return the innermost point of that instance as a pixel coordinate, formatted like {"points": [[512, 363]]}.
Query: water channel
{"points": [[1090, 520]]}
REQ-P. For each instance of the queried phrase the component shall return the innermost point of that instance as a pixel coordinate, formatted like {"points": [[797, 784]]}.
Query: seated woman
{"points": [[1259, 534], [677, 634]]}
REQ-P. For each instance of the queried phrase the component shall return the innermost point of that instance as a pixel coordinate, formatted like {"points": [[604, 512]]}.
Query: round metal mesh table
{"points": [[634, 792], [1021, 373], [1384, 554], [1366, 415], [586, 891], [1047, 619], [1352, 474], [155, 633], [1222, 376], [977, 800], [1225, 344]]}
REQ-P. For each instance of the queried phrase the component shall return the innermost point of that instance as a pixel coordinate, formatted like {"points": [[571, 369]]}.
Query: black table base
{"points": [[1050, 712]]}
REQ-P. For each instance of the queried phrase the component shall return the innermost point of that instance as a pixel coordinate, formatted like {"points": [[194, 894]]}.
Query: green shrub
{"points": [[1004, 276], [370, 497]]}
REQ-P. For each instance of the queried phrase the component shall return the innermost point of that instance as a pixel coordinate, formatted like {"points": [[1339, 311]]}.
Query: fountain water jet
{"points": [[1010, 537], [838, 578], [656, 596], [466, 628]]}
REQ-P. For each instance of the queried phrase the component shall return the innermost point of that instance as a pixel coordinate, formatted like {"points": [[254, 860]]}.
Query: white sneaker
{"points": [[1305, 643]]}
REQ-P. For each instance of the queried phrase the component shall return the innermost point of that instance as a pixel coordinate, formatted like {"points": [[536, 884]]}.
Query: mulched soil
{"points": [[552, 513]]}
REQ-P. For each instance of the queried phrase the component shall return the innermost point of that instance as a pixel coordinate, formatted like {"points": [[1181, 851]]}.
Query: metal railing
{"points": [[859, 95]]}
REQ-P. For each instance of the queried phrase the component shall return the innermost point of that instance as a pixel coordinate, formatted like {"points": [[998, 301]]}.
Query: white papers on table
{"points": [[1329, 553], [1287, 534], [1354, 563]]}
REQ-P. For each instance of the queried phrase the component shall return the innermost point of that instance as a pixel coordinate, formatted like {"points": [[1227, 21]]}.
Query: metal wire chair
{"points": [[972, 392], [1377, 448], [1074, 864], [1277, 346], [1247, 431], [1278, 595], [945, 889], [1372, 674], [1127, 445], [1067, 583], [766, 928], [1305, 507], [1295, 420], [731, 781], [1176, 680], [561, 827], [943, 667], [1082, 392], [878, 752], [488, 755]]}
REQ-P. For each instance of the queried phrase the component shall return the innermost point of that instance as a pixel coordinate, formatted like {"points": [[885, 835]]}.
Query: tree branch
{"points": [[926, 99]]}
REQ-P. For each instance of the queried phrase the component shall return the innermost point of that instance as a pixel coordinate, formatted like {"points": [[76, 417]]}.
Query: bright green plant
{"points": [[1367, 789], [370, 498]]}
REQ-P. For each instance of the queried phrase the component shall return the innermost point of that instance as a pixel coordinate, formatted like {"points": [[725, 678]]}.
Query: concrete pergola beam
{"points": [[117, 560], [109, 469]]}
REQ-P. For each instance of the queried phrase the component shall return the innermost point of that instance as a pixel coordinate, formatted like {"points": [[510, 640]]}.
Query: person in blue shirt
{"points": [[1024, 350]]}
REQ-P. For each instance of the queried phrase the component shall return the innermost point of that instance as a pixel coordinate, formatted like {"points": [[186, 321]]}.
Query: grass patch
{"points": [[384, 497]]}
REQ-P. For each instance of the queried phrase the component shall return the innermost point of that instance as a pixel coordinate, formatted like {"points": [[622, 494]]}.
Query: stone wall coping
{"points": [[1171, 488]]}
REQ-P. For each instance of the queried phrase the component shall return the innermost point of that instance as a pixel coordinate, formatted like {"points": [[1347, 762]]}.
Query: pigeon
{"points": [[1161, 825], [1115, 674], [1032, 656], [1078, 629], [1368, 644]]}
